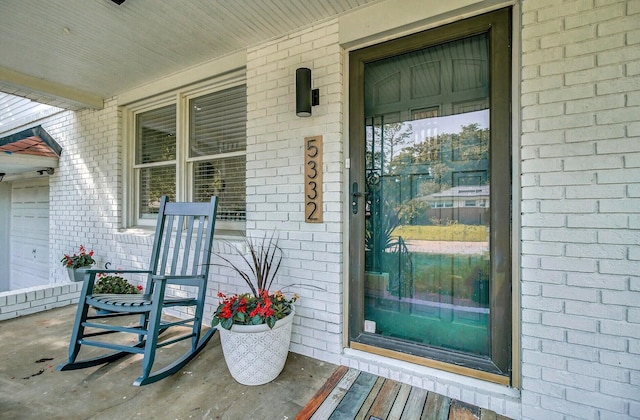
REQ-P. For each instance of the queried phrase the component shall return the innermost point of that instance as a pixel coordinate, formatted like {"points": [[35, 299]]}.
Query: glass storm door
{"points": [[426, 219]]}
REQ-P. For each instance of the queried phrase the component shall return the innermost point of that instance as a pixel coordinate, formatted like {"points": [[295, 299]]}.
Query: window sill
{"points": [[143, 235]]}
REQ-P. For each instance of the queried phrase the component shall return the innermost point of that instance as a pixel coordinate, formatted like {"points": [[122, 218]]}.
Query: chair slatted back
{"points": [[183, 238]]}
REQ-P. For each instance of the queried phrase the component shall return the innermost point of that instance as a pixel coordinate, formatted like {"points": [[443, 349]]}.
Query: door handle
{"points": [[354, 197]]}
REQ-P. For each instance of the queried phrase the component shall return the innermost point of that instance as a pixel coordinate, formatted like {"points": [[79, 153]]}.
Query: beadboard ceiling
{"points": [[74, 53]]}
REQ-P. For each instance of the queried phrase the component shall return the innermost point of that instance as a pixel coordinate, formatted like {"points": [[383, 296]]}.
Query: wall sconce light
{"points": [[48, 171], [305, 96], [2, 176]]}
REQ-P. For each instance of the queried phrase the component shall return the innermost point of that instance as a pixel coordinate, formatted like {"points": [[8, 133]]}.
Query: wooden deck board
{"points": [[362, 414], [415, 404], [459, 410], [313, 404], [351, 403], [436, 407], [400, 402], [383, 403], [330, 403], [353, 395]]}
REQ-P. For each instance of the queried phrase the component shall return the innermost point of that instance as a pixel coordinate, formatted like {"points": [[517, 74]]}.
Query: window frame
{"points": [[183, 163]]}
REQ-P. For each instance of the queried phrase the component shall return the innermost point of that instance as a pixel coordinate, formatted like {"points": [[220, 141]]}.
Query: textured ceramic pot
{"points": [[256, 354]]}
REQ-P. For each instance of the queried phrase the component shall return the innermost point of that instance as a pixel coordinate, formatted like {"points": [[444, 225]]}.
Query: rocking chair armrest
{"points": [[193, 280], [110, 271]]}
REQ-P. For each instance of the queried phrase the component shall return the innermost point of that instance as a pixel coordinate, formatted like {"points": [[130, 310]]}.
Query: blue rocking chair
{"points": [[180, 256]]}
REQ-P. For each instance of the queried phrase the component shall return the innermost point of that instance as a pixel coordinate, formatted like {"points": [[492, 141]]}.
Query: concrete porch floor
{"points": [[32, 346]]}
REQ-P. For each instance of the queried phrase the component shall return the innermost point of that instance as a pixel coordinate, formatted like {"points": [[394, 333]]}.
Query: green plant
{"points": [[81, 259], [114, 284], [258, 270]]}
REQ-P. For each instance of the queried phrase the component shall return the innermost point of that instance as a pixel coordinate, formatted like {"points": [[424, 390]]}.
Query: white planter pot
{"points": [[256, 354], [77, 274]]}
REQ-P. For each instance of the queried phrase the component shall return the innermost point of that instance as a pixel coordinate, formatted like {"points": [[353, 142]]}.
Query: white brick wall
{"points": [[35, 299], [86, 190], [580, 158], [275, 169]]}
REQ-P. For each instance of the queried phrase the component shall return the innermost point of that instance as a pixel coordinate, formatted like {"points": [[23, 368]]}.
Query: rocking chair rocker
{"points": [[180, 256]]}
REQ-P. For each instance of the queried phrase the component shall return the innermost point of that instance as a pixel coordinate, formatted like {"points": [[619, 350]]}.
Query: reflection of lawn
{"points": [[458, 276], [455, 232]]}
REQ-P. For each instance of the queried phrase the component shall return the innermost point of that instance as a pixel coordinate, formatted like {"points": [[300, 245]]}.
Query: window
{"points": [[206, 157], [156, 158], [217, 144]]}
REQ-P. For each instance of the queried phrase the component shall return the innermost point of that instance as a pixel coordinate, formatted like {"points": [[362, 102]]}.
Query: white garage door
{"points": [[29, 233]]}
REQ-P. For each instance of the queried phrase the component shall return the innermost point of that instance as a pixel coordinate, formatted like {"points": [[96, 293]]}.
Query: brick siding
{"points": [[580, 90]]}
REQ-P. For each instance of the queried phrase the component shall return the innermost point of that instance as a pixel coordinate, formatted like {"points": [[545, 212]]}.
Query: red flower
{"points": [[248, 309], [242, 307], [226, 312]]}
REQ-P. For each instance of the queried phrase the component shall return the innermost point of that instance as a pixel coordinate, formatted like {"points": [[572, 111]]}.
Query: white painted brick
{"points": [[534, 411], [597, 221], [578, 135], [530, 317], [543, 387], [534, 275], [620, 328], [596, 281], [596, 310], [613, 176], [537, 358], [583, 163], [620, 267], [569, 293], [564, 179], [569, 379], [572, 149], [618, 389], [620, 359], [595, 399], [569, 235], [15, 308], [543, 331], [561, 405], [595, 191], [568, 206], [543, 304], [530, 343], [563, 94], [572, 322], [535, 192], [570, 350], [596, 251], [568, 264], [543, 220]]}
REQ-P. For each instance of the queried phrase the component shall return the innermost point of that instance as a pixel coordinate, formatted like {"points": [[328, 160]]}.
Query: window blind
{"points": [[156, 139], [218, 122]]}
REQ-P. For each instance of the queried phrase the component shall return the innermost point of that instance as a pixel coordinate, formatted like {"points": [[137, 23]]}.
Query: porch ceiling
{"points": [[75, 53]]}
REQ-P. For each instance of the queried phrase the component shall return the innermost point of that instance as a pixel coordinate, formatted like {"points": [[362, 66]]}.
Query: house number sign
{"points": [[313, 179]]}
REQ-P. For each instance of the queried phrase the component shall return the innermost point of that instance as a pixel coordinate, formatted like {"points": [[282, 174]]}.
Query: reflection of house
{"points": [[466, 204]]}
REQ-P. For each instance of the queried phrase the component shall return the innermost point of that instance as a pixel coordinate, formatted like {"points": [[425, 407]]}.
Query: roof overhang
{"points": [[27, 154]]}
